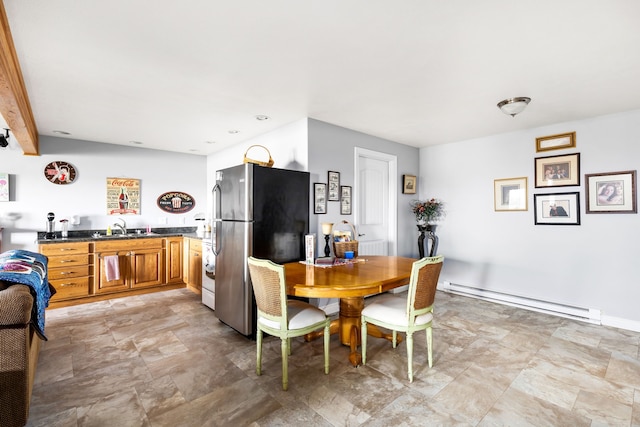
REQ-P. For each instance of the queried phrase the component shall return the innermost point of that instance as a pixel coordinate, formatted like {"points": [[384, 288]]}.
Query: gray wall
{"points": [[593, 265], [333, 148], [33, 196]]}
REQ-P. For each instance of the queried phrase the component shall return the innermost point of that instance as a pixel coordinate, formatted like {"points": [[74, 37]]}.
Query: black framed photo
{"points": [[333, 179], [345, 200], [319, 198], [611, 192], [557, 208], [557, 171]]}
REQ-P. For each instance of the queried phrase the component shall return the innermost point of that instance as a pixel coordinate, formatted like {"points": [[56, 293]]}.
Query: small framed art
{"points": [[557, 208], [510, 194], [345, 200], [612, 192], [409, 184], [557, 171], [556, 142], [319, 198], [4, 187], [333, 179]]}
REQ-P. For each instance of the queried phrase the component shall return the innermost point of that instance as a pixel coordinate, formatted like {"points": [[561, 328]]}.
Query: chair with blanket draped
{"points": [[415, 313], [281, 317]]}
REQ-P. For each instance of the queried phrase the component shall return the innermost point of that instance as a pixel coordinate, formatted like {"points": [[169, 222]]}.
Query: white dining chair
{"points": [[281, 317], [408, 315]]}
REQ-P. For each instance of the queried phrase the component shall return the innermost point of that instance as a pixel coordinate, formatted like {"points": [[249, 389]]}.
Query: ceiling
{"points": [[179, 76]]}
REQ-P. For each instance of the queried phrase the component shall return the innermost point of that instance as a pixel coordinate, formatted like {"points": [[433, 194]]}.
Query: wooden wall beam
{"points": [[14, 100]]}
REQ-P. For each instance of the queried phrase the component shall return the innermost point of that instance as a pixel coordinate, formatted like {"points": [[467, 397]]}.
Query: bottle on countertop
{"points": [[108, 230]]}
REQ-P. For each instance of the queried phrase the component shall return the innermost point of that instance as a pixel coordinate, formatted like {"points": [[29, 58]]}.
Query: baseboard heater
{"points": [[589, 315]]}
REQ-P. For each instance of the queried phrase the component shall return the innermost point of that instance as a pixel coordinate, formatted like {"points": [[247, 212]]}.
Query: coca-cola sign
{"points": [[176, 202]]}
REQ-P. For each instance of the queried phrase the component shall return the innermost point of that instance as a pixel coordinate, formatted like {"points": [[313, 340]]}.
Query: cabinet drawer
{"points": [[195, 244], [128, 244], [67, 272], [53, 249], [68, 261], [70, 288]]}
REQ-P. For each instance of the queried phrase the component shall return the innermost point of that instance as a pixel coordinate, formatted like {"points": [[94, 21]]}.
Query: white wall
{"points": [[287, 145], [33, 196], [593, 265]]}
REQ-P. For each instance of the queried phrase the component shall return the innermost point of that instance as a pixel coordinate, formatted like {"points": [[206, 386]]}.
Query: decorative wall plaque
{"points": [[176, 202], [60, 173]]}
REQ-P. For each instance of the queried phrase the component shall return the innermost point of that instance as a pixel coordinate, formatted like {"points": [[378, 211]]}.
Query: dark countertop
{"points": [[90, 235]]}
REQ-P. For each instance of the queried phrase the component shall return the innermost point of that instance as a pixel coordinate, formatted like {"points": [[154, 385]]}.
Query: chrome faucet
{"points": [[122, 227]]}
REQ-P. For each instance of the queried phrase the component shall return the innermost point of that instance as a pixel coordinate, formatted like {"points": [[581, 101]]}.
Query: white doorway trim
{"points": [[392, 162]]}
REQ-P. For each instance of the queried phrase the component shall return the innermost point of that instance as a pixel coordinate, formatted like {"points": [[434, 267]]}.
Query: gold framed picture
{"points": [[510, 194], [409, 184], [556, 142]]}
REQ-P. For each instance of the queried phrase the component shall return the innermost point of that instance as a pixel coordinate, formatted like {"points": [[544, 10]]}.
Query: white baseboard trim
{"points": [[617, 322], [589, 315]]}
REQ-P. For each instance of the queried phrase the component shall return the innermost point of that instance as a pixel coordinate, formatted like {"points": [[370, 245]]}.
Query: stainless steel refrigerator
{"points": [[258, 211]]}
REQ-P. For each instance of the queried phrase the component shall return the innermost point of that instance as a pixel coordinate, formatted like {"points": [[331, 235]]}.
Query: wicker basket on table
{"points": [[339, 248]]}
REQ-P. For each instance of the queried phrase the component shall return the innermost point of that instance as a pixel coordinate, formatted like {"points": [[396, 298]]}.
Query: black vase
{"points": [[428, 231]]}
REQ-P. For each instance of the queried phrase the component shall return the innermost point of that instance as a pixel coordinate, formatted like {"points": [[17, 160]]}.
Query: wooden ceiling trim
{"points": [[14, 100]]}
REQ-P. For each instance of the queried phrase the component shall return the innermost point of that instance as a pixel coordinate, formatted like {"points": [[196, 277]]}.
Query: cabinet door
{"points": [[102, 284], [195, 269], [175, 261], [147, 268]]}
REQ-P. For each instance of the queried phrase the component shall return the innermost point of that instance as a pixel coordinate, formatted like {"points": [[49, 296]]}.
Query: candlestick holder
{"points": [[326, 230], [327, 249]]}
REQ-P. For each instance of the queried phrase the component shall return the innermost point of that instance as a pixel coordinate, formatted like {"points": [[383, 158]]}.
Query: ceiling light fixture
{"points": [[233, 131], [513, 106], [262, 117], [4, 139], [61, 132]]}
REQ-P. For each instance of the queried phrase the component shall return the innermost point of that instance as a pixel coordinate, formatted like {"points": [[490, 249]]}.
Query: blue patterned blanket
{"points": [[29, 268]]}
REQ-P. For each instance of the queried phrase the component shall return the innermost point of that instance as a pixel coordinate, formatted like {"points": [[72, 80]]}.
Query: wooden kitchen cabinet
{"points": [[141, 263], [174, 254], [70, 269], [194, 277]]}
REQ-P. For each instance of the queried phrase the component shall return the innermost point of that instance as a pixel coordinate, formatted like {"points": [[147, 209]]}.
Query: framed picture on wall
{"points": [[557, 171], [319, 198], [557, 208], [333, 179], [612, 192], [556, 142], [345, 200], [4, 187], [408, 184], [510, 194]]}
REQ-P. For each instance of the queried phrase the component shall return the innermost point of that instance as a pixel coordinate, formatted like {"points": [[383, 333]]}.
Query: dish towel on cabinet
{"points": [[112, 267]]}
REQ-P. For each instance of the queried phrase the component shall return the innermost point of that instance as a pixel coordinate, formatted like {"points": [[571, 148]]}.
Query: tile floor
{"points": [[164, 359]]}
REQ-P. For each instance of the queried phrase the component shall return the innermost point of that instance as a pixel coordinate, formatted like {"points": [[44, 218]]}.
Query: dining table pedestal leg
{"points": [[350, 311]]}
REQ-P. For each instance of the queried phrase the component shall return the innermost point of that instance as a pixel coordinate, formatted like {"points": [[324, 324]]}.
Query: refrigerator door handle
{"points": [[217, 213]]}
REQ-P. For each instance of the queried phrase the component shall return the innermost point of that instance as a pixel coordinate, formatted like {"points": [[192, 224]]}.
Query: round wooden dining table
{"points": [[351, 282]]}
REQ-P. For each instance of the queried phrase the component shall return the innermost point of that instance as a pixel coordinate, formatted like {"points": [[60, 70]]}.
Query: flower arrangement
{"points": [[428, 211]]}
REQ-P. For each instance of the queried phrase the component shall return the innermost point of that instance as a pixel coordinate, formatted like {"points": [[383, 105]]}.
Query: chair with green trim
{"points": [[281, 317], [415, 313]]}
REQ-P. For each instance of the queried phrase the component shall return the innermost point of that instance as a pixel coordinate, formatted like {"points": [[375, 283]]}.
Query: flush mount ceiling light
{"points": [[513, 106], [4, 139], [262, 117]]}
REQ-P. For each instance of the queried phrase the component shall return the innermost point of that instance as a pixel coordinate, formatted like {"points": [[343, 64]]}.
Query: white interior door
{"points": [[375, 199]]}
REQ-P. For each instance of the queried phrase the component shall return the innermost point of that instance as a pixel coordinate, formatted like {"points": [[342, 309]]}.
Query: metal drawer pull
{"points": [[67, 284]]}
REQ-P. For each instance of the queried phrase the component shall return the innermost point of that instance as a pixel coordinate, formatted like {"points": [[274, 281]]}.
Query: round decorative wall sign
{"points": [[176, 202], [60, 173]]}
